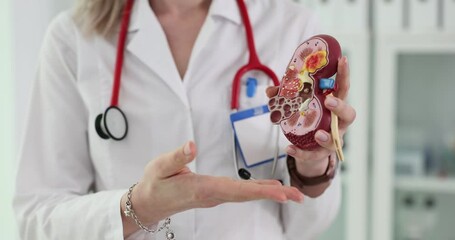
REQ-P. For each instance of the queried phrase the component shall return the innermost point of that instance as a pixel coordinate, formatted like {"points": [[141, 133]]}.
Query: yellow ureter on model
{"points": [[335, 132]]}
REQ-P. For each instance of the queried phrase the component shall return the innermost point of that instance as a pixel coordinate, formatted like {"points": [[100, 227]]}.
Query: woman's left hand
{"points": [[314, 163]]}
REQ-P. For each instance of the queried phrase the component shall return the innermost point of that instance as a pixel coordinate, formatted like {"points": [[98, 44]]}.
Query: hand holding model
{"points": [[308, 104]]}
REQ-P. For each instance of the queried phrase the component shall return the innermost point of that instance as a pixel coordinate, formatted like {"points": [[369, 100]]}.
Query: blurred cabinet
{"points": [[351, 223], [414, 16], [389, 15], [347, 20], [413, 125], [410, 179], [449, 16], [343, 16], [413, 137]]}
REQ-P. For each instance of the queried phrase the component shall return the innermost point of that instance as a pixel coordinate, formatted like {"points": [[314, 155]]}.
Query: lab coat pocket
{"points": [[257, 139], [252, 93]]}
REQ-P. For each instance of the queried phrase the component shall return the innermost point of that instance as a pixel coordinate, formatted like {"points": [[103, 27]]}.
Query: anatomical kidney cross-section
{"points": [[299, 105]]}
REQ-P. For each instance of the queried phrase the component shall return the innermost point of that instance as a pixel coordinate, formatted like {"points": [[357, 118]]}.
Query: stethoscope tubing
{"points": [[236, 160], [253, 64], [121, 52], [101, 126]]}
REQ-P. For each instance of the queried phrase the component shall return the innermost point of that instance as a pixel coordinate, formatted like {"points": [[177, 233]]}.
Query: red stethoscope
{"points": [[113, 123]]}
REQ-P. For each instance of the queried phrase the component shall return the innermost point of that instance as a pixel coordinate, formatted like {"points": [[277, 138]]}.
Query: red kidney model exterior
{"points": [[299, 105]]}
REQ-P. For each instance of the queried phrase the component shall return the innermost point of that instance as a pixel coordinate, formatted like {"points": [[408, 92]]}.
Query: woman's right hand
{"points": [[168, 187]]}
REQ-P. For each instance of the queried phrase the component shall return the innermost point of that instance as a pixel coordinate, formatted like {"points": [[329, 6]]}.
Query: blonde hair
{"points": [[98, 16]]}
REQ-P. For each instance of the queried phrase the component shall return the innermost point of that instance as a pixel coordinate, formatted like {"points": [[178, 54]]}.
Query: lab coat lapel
{"points": [[149, 44], [207, 30], [219, 8]]}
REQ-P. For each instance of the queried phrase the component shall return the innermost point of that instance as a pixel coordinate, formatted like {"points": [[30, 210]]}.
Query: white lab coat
{"points": [[70, 181]]}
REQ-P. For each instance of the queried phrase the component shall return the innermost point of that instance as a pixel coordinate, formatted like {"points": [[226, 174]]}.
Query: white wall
{"points": [[7, 229], [23, 24], [30, 21]]}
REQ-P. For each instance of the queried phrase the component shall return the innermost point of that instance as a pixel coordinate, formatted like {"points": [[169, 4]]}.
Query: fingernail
{"points": [[323, 137], [291, 150], [331, 102], [345, 60], [187, 149]]}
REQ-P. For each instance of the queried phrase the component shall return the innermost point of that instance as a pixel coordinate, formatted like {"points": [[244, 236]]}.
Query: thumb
{"points": [[173, 162], [343, 78]]}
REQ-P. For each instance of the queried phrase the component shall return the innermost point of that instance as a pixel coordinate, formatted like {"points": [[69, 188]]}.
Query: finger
{"points": [[271, 91], [314, 155], [324, 139], [241, 191], [345, 112], [267, 182], [173, 162], [343, 79], [252, 191]]}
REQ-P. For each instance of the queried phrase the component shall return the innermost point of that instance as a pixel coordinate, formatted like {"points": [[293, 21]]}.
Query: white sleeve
{"points": [[55, 174], [308, 220]]}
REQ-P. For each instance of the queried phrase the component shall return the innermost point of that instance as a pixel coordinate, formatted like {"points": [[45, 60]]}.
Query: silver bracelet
{"points": [[129, 212]]}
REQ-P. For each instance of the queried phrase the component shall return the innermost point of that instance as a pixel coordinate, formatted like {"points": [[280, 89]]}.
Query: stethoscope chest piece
{"points": [[112, 124]]}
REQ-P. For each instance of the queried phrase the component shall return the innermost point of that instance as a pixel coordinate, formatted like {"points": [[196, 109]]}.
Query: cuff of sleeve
{"points": [[301, 181], [115, 230], [114, 219]]}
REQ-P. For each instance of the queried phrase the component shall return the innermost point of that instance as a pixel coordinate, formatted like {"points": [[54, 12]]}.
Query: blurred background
{"points": [[399, 177]]}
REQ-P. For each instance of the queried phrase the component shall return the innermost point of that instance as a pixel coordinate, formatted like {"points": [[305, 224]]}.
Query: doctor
{"points": [[179, 60]]}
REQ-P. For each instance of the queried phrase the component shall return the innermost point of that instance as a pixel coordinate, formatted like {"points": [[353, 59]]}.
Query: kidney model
{"points": [[299, 105]]}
